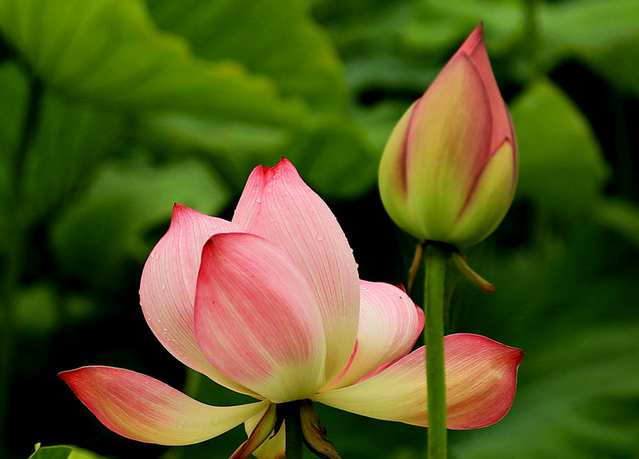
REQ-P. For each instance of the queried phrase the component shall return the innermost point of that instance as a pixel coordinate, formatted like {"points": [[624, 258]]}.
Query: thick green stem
{"points": [[294, 436], [434, 302]]}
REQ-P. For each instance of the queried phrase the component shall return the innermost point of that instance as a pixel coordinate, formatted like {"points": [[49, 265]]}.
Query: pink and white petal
{"points": [[257, 319], [293, 217], [261, 431], [139, 407], [389, 325], [481, 377], [167, 288], [250, 202], [275, 446]]}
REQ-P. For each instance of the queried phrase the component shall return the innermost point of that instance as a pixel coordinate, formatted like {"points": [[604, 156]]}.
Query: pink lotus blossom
{"points": [[449, 169], [270, 305]]}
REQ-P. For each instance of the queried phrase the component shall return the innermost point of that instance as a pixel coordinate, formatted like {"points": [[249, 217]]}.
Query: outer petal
{"points": [[256, 318], [279, 206], [446, 146], [139, 407], [389, 325], [167, 288], [481, 377], [393, 176], [261, 431], [490, 199], [274, 447], [475, 47]]}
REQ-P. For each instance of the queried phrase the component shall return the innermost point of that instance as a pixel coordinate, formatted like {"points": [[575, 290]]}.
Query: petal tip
{"points": [[475, 38], [284, 166], [69, 376], [180, 208], [180, 211], [517, 355], [510, 355], [283, 163]]}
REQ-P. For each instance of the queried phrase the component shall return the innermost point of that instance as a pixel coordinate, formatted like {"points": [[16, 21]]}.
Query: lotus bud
{"points": [[449, 169]]}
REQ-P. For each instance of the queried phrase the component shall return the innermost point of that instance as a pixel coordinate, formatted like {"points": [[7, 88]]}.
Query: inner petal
{"points": [[257, 319]]}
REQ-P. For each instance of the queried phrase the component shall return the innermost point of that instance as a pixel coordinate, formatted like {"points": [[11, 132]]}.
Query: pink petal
{"points": [[257, 319], [139, 407], [279, 206], [481, 377], [250, 202], [389, 325], [475, 47], [167, 288], [470, 44], [274, 447]]}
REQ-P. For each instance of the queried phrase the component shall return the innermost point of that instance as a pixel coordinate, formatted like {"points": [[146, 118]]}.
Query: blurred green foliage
{"points": [[114, 109]]}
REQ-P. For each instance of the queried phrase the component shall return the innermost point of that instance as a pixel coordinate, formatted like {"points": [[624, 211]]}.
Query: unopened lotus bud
{"points": [[449, 169]]}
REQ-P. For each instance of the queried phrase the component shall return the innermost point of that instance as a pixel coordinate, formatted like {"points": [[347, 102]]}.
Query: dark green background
{"points": [[143, 104]]}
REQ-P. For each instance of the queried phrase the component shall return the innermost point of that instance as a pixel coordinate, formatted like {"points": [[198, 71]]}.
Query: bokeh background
{"points": [[112, 110]]}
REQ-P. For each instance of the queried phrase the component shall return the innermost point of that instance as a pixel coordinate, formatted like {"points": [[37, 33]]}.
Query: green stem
{"points": [[294, 436], [434, 302]]}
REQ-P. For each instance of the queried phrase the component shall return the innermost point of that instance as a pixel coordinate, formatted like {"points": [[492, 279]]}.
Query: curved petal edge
{"points": [[167, 288], [279, 206], [142, 408], [481, 378]]}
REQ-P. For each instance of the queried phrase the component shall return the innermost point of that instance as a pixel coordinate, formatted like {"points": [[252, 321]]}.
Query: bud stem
{"points": [[434, 299]]}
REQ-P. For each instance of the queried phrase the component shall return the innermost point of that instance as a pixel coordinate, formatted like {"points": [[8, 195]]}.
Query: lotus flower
{"points": [[270, 305], [449, 169]]}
